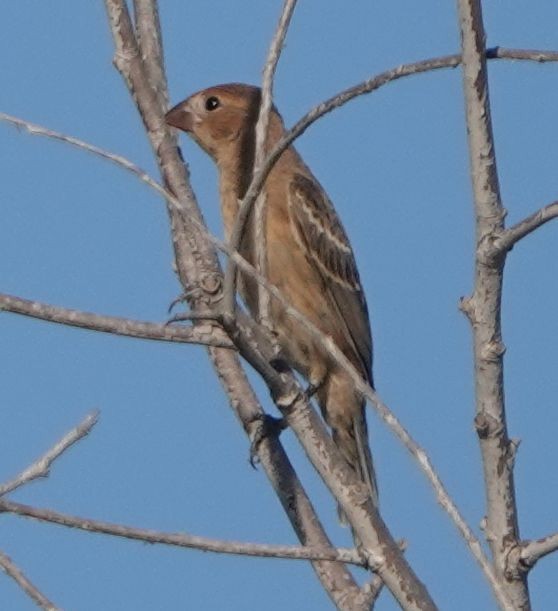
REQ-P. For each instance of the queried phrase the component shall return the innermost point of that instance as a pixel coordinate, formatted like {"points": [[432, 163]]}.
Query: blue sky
{"points": [[168, 452]]}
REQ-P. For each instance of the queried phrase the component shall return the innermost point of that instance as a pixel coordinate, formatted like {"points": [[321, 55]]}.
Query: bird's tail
{"points": [[352, 441]]}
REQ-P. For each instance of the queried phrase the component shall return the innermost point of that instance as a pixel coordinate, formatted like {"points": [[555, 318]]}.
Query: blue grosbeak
{"points": [[309, 258]]}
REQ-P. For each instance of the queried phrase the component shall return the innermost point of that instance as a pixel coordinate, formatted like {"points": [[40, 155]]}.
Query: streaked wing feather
{"points": [[320, 233]]}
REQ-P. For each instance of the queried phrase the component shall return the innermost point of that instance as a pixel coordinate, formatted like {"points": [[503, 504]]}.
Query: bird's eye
{"points": [[212, 103]]}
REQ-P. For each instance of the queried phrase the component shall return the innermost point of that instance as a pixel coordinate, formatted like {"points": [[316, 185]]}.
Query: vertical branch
{"points": [[198, 269], [260, 232], [483, 309], [254, 195]]}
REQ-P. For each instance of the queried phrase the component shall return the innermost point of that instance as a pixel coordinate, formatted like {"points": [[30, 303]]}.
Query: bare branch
{"points": [[41, 467], [373, 590], [484, 311], [387, 416], [335, 578], [512, 235], [207, 335], [375, 541], [229, 293], [174, 202], [13, 571], [260, 213], [270, 67], [148, 32], [533, 551], [205, 544], [38, 130], [532, 55], [370, 85]]}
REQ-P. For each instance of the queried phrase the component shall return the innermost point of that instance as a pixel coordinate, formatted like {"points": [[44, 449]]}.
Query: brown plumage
{"points": [[309, 257]]}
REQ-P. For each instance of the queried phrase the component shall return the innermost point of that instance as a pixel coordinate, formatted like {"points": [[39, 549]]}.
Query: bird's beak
{"points": [[180, 117]]}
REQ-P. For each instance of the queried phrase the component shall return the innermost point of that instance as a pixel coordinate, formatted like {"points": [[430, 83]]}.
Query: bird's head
{"points": [[220, 119]]}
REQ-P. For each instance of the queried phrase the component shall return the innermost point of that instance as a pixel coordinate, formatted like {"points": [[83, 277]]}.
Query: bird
{"points": [[309, 259]]}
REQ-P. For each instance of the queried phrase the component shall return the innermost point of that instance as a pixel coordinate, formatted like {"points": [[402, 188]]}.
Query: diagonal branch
{"points": [[368, 86], [9, 567], [207, 335], [376, 542], [260, 550], [41, 467], [335, 578]]}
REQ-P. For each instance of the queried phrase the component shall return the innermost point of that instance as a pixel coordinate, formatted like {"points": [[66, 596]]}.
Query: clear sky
{"points": [[168, 452]]}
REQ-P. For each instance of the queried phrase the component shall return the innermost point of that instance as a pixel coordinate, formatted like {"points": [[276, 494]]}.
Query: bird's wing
{"points": [[320, 233]]}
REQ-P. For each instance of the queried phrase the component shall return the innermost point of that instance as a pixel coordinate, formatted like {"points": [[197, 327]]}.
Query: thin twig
{"points": [[41, 467], [259, 225], [260, 212], [13, 571], [206, 544], [206, 335], [517, 232], [368, 86], [38, 130]]}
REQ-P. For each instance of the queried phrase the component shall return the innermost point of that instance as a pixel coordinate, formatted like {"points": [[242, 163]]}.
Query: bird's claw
{"points": [[214, 315], [267, 426], [189, 296], [180, 299]]}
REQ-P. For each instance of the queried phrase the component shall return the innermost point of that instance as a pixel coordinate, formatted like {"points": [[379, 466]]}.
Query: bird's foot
{"points": [[265, 426], [206, 292], [182, 298], [215, 314]]}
